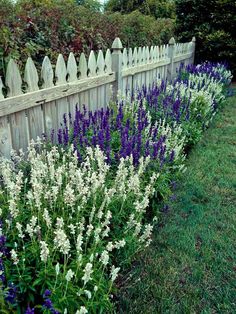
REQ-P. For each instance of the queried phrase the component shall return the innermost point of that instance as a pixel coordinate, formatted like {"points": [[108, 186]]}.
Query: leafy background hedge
{"points": [[39, 27]]}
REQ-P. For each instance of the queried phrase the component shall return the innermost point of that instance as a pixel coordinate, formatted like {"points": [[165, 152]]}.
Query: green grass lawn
{"points": [[191, 265]]}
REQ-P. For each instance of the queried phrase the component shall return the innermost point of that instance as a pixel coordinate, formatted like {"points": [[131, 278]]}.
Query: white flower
{"points": [[47, 218], [61, 241], [14, 257], [69, 275], [114, 272], [104, 258], [19, 228], [88, 294], [110, 246], [30, 228], [82, 310], [79, 243], [57, 269], [44, 253], [87, 273]]}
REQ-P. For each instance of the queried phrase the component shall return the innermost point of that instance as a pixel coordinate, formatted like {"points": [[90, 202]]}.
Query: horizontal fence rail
{"points": [[34, 103]]}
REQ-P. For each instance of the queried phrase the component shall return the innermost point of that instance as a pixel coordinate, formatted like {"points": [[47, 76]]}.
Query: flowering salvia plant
{"points": [[64, 222], [76, 209]]}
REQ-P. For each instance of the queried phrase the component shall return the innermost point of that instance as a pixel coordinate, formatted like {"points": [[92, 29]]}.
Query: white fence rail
{"points": [[29, 109]]}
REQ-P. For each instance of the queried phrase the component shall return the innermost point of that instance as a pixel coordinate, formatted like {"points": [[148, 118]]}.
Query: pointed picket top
{"points": [[100, 63], [13, 79], [167, 49], [60, 71], [140, 55], [158, 53], [72, 68], [124, 58], [31, 76], [130, 58], [161, 52], [135, 56], [108, 61], [83, 68], [92, 64], [147, 55], [47, 73], [144, 55], [1, 88], [155, 57], [152, 54]]}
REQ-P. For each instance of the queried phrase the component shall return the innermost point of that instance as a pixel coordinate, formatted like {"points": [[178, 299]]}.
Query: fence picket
{"points": [[100, 71], [83, 71], [108, 61], [124, 59], [92, 71], [72, 70], [35, 114], [62, 105], [18, 121], [1, 89], [49, 109], [13, 79], [108, 87]]}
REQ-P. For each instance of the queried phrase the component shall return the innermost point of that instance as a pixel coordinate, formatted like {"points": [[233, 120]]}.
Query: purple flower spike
{"points": [[47, 293], [29, 310], [11, 294]]}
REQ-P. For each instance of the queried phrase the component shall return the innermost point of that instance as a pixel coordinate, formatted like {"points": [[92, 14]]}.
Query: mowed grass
{"points": [[191, 265]]}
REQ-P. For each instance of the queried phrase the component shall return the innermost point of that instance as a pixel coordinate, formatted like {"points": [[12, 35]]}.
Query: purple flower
{"points": [[47, 293], [29, 310], [10, 295], [48, 302]]}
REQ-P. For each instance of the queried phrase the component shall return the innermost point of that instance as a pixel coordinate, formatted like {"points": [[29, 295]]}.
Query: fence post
{"points": [[117, 65], [171, 54], [193, 48]]}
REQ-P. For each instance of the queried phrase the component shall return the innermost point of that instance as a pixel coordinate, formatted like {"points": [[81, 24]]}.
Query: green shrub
{"points": [[47, 27], [211, 22]]}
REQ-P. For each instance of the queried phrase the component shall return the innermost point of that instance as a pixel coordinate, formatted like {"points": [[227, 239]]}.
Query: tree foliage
{"points": [[48, 27], [213, 23], [155, 8], [93, 5]]}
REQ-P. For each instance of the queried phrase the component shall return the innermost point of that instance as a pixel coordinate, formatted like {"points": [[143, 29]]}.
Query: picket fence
{"points": [[35, 104]]}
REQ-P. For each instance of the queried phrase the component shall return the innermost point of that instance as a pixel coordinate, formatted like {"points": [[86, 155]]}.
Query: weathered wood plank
{"points": [[35, 114], [182, 57], [1, 89], [145, 67], [72, 70], [21, 102], [62, 106], [5, 138], [92, 72], [83, 74], [49, 108], [100, 71], [18, 120]]}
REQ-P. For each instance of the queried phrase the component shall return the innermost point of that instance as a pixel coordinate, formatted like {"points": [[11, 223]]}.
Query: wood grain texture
{"points": [[5, 138], [26, 101]]}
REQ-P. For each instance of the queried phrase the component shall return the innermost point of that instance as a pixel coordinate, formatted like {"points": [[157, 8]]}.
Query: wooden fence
{"points": [[35, 104]]}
